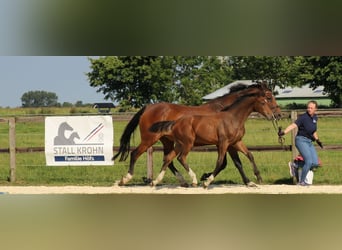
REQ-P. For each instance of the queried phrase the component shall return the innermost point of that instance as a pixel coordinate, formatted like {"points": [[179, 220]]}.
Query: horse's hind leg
{"points": [[182, 159], [168, 147], [167, 159], [255, 169], [135, 154]]}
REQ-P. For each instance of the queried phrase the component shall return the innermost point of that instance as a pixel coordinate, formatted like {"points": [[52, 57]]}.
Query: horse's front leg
{"points": [[219, 163], [182, 160], [240, 146], [224, 165]]}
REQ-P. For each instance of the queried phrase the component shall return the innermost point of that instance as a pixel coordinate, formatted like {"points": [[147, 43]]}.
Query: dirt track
{"points": [[167, 189]]}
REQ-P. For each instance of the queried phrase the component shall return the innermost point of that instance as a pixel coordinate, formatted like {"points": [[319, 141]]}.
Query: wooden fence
{"points": [[12, 150]]}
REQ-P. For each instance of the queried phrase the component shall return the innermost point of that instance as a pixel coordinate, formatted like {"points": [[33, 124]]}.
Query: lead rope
{"points": [[281, 139]]}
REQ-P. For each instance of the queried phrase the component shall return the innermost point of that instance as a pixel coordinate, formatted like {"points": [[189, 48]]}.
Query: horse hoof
{"points": [[251, 184], [147, 180], [184, 185], [121, 183], [194, 184], [205, 176]]}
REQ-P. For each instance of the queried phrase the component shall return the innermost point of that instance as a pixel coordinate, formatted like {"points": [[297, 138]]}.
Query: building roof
{"points": [[103, 107], [225, 90], [286, 93], [300, 92]]}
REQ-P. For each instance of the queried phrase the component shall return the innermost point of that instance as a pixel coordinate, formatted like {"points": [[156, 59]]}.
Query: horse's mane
{"points": [[236, 88], [242, 97], [242, 86]]}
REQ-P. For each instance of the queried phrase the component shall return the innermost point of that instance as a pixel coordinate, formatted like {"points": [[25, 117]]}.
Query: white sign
{"points": [[79, 140]]}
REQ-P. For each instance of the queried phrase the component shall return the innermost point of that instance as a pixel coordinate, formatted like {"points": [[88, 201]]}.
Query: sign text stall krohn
{"points": [[79, 140]]}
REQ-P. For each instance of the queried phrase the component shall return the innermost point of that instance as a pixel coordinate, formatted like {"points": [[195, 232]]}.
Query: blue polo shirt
{"points": [[307, 125]]}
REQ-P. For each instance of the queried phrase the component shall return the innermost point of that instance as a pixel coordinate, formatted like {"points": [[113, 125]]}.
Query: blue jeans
{"points": [[308, 151]]}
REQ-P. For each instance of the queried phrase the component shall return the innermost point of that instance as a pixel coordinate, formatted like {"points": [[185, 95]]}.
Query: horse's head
{"points": [[260, 98], [65, 126], [272, 103], [266, 104]]}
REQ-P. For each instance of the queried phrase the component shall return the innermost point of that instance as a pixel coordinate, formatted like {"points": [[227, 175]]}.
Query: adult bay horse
{"points": [[153, 113], [223, 129]]}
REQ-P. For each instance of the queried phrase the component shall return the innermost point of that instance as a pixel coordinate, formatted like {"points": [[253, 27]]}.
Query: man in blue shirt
{"points": [[307, 133]]}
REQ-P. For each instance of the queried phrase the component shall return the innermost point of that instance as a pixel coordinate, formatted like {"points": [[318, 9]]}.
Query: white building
{"points": [[288, 95]]}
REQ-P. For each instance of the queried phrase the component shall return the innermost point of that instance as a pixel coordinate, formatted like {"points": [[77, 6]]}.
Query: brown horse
{"points": [[153, 113], [223, 129]]}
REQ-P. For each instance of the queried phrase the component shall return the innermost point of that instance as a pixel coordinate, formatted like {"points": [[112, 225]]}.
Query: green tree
{"points": [[276, 70], [79, 104], [137, 80], [67, 104], [132, 80], [196, 76], [39, 98], [324, 71]]}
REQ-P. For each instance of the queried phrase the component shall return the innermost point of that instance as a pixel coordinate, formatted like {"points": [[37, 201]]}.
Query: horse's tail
{"points": [[126, 136], [162, 127]]}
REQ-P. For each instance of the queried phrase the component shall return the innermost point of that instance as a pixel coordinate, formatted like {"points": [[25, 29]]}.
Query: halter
{"points": [[277, 128]]}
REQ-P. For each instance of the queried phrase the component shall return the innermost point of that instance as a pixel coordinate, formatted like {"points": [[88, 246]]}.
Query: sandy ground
{"points": [[168, 189]]}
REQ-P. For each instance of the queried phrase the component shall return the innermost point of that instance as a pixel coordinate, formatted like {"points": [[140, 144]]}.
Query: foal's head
{"points": [[266, 103], [260, 98]]}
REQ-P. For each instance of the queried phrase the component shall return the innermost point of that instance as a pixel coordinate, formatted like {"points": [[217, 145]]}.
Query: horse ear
{"points": [[265, 84]]}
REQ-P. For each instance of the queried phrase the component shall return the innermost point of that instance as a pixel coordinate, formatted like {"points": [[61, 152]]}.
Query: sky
{"points": [[63, 75]]}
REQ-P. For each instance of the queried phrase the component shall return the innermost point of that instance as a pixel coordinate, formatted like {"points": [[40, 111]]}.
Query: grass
{"points": [[31, 168]]}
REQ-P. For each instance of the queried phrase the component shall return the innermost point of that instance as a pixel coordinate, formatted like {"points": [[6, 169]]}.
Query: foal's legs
{"points": [[221, 155], [232, 150], [147, 140], [182, 159], [166, 161], [168, 146], [224, 165], [145, 143]]}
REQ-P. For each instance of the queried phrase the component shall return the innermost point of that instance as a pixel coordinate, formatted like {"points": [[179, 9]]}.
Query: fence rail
{"points": [[12, 150], [196, 149]]}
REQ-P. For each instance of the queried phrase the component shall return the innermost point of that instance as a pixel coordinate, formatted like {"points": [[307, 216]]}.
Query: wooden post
{"points": [[293, 135], [150, 163], [12, 148]]}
